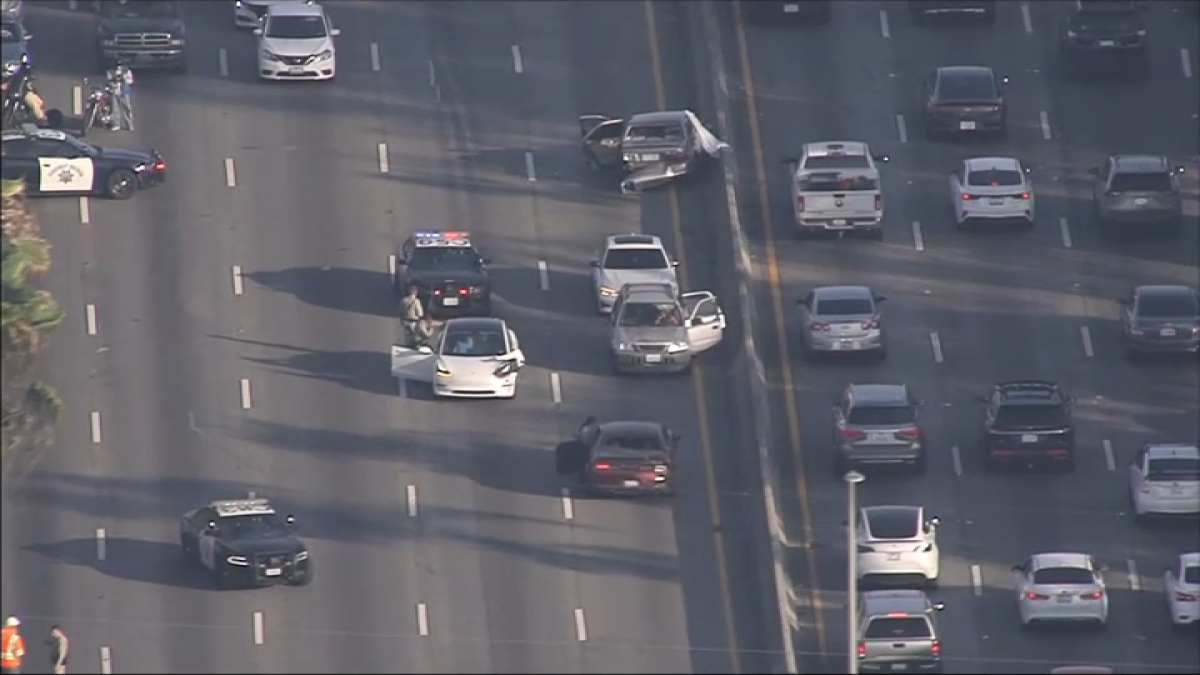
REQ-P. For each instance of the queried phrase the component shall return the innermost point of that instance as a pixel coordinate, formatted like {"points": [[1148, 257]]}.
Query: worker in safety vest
{"points": [[13, 646]]}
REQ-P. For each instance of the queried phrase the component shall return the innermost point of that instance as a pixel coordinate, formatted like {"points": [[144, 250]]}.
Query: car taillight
{"points": [[1184, 597], [1025, 195], [602, 466], [853, 434], [817, 325], [868, 325], [862, 650], [911, 432], [160, 165], [1036, 596], [967, 197], [437, 291], [936, 648], [1094, 595], [463, 290], [799, 203], [878, 202]]}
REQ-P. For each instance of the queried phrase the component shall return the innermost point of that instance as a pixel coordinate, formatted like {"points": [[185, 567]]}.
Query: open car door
{"points": [[413, 364], [705, 320], [601, 140], [569, 458]]}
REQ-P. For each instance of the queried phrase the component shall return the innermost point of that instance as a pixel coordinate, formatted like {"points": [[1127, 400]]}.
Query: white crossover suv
{"points": [[897, 543], [992, 191], [1054, 587]]}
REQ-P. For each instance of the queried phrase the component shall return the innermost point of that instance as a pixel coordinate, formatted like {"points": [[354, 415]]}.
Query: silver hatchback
{"points": [[842, 319], [877, 424]]}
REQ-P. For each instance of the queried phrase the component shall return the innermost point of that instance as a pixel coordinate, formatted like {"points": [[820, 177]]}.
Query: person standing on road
{"points": [[412, 315], [13, 646], [59, 644]]}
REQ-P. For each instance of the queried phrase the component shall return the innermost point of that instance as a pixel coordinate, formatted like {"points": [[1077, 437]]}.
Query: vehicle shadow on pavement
{"points": [[365, 371], [139, 560], [341, 288]]}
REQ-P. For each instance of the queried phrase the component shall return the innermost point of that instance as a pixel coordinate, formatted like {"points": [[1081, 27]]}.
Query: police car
{"points": [[244, 542], [449, 273], [52, 162]]}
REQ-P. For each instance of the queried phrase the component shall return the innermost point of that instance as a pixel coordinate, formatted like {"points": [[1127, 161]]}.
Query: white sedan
{"points": [[295, 42], [1061, 587], [992, 190], [470, 357], [1182, 584], [897, 542], [1164, 478]]}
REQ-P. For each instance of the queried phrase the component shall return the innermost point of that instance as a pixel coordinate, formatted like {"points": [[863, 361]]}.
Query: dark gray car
{"points": [[1137, 194], [1158, 319], [877, 424]]}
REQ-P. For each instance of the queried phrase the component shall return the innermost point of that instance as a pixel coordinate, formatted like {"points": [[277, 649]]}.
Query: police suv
{"points": [[835, 188], [244, 542], [450, 275], [52, 162]]}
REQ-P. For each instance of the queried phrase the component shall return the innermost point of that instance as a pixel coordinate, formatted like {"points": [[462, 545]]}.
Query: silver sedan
{"points": [[842, 319]]}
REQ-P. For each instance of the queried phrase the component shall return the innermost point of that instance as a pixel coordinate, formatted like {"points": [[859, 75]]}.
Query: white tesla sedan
{"points": [[1164, 478], [295, 42], [469, 357], [1061, 587], [897, 543], [992, 190], [1182, 585]]}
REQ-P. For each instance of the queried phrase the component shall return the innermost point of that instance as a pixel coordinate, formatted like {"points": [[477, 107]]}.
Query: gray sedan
{"points": [[837, 319], [1158, 319]]}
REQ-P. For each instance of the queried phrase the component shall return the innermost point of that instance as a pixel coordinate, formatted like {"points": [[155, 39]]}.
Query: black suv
{"points": [[1028, 422], [1104, 36], [450, 275], [964, 100], [1137, 194], [244, 542]]}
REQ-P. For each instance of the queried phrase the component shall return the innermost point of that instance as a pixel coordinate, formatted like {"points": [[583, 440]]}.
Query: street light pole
{"points": [[852, 478]]}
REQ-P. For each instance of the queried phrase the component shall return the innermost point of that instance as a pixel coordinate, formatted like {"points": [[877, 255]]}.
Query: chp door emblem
{"points": [[66, 173]]}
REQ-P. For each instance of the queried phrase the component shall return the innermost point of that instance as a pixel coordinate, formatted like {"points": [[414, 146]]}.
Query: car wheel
{"points": [[121, 184]]}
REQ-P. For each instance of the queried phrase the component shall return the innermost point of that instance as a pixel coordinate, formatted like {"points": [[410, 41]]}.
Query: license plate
{"points": [[893, 556], [654, 358], [1064, 599], [899, 666], [839, 221], [450, 302], [791, 9], [881, 438], [966, 126], [650, 157], [295, 69], [1167, 332], [996, 202], [1029, 438], [274, 572], [630, 483], [1108, 43], [837, 346]]}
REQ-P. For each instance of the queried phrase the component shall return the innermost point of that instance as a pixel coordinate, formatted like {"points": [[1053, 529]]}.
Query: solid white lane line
{"points": [[884, 26], [1064, 229], [956, 457], [392, 265], [936, 341], [977, 579], [375, 56], [1026, 18], [432, 74], [422, 620], [1186, 60], [246, 394], [518, 62], [90, 317], [85, 210], [568, 505], [101, 551], [580, 625], [238, 286], [1045, 120], [901, 128], [1135, 582], [556, 387], [383, 158], [1110, 460], [530, 171], [77, 100], [96, 435], [105, 661], [258, 628], [223, 62], [918, 238], [410, 494], [230, 173], [1086, 334], [544, 275]]}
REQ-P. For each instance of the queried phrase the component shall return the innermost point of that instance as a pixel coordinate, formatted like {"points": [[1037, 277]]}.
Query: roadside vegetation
{"points": [[29, 407]]}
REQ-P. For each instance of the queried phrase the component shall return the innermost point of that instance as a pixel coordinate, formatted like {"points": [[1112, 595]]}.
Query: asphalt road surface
{"points": [[227, 334], [966, 310]]}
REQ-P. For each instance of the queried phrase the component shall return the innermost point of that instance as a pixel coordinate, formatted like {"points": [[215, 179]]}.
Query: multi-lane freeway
{"points": [[969, 310]]}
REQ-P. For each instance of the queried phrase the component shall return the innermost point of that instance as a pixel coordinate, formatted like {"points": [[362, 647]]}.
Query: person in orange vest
{"points": [[13, 646]]}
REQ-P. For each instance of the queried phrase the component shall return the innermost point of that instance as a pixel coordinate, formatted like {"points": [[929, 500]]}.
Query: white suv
{"points": [[897, 543], [630, 259], [1165, 479]]}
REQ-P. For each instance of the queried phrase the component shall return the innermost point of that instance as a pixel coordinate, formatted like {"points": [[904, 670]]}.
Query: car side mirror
{"points": [[880, 298], [335, 32], [1004, 79], [1102, 567], [212, 525], [939, 606], [290, 519], [1180, 170], [1018, 568], [425, 349], [595, 263], [882, 158], [935, 521], [675, 436], [485, 261], [919, 403], [258, 31], [674, 263]]}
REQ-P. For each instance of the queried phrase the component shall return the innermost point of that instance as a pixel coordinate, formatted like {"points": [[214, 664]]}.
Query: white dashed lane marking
{"points": [[375, 56], [1135, 582], [85, 210], [96, 435], [238, 286], [432, 74], [105, 661], [544, 275], [101, 549], [530, 171], [1026, 19], [568, 506], [1085, 334], [230, 173], [410, 496], [556, 388], [956, 458], [580, 625], [935, 341], [1045, 121], [518, 62], [422, 620], [258, 628], [1186, 62], [901, 128], [918, 238], [1064, 229], [77, 101], [223, 62], [246, 403], [885, 27], [382, 153], [1110, 460], [977, 579], [90, 319]]}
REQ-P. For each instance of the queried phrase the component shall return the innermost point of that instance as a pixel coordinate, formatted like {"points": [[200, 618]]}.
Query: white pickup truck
{"points": [[835, 188]]}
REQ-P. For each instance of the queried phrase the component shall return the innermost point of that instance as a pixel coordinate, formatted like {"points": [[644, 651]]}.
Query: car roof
{"points": [[910, 601], [883, 516], [474, 323], [1045, 560], [1190, 559], [632, 240], [630, 427], [965, 71], [842, 293], [1168, 450], [648, 291], [879, 394], [835, 148], [1164, 290], [1141, 163], [992, 163], [295, 9], [658, 117]]}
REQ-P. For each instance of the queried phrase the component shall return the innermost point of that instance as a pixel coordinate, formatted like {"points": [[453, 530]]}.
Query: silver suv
{"points": [[877, 424], [1137, 194], [656, 331], [897, 630]]}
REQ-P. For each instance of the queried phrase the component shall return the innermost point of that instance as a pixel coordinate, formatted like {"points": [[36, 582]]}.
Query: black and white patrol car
{"points": [[450, 275], [53, 162], [244, 542]]}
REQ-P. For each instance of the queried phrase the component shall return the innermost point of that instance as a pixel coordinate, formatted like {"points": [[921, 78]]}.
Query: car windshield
{"points": [[443, 258], [836, 162], [1141, 182], [264, 526], [1173, 469], [1055, 576], [1151, 306], [646, 315], [892, 524], [138, 9], [666, 133], [966, 88], [1029, 416], [843, 307], [635, 259], [1191, 575], [896, 628], [295, 27], [835, 181], [881, 416], [474, 343], [995, 177]]}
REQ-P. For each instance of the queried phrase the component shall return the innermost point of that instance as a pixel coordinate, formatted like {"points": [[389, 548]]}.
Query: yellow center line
{"points": [[714, 506], [789, 388]]}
